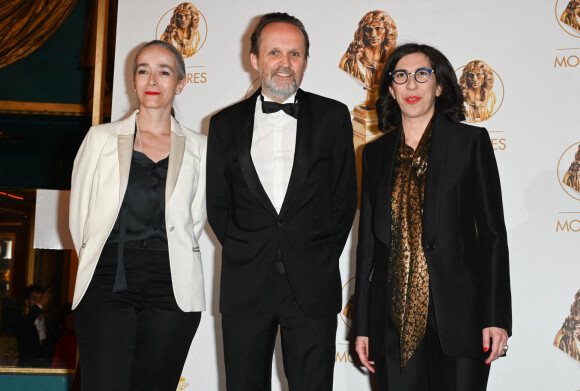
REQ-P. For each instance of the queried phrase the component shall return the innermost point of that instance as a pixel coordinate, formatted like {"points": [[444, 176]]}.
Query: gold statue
{"points": [[568, 338], [365, 58], [572, 176], [476, 82], [374, 40], [571, 14], [182, 31]]}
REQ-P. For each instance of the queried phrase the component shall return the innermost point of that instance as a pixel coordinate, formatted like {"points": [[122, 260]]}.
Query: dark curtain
{"points": [[26, 24]]}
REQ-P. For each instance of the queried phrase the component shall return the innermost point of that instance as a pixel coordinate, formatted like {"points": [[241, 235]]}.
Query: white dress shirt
{"points": [[40, 326], [273, 146]]}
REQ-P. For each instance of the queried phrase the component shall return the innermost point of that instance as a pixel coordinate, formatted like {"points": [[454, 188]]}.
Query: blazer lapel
{"points": [[437, 158], [176, 151], [125, 141], [246, 164], [302, 151], [382, 195]]}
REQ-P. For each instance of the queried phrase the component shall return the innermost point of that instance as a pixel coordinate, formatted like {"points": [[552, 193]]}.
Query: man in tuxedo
{"points": [[281, 199], [36, 341]]}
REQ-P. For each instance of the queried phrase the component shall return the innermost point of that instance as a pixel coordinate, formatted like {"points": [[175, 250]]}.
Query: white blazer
{"points": [[99, 181]]}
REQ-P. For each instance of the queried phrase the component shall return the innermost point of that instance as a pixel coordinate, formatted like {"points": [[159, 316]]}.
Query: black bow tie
{"points": [[273, 107]]}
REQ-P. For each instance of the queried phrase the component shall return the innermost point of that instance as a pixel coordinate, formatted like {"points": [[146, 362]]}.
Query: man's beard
{"points": [[281, 92]]}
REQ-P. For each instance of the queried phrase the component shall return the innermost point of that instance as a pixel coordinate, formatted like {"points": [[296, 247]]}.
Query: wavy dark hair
{"points": [[276, 17], [449, 103]]}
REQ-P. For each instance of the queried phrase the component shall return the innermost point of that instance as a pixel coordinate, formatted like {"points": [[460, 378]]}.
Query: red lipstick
{"points": [[412, 99], [152, 93]]}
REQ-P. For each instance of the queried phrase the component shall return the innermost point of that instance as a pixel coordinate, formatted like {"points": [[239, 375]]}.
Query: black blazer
{"points": [[464, 238], [316, 216]]}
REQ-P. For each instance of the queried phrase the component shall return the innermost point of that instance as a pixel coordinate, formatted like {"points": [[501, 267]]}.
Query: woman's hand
{"points": [[362, 349], [494, 338]]}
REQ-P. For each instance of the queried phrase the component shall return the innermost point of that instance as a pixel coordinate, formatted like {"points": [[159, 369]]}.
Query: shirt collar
{"points": [[289, 100]]}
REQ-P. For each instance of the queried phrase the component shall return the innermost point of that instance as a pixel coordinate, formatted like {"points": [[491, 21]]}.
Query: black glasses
{"points": [[422, 75]]}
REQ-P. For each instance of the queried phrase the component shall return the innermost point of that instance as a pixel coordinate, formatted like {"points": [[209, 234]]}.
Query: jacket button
{"points": [[429, 246]]}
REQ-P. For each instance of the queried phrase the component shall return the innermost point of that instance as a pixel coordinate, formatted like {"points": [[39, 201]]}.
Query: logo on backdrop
{"points": [[182, 384], [569, 171], [568, 338], [184, 27], [568, 16], [347, 312], [257, 83], [482, 89], [344, 354], [567, 59]]}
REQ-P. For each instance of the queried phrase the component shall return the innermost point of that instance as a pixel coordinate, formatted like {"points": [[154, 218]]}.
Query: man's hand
{"points": [[45, 298]]}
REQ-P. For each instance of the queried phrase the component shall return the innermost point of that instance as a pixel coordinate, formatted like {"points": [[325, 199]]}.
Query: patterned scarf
{"points": [[408, 274]]}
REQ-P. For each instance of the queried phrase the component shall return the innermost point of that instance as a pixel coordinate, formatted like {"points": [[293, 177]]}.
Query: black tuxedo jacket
{"points": [[32, 352], [464, 238], [316, 216]]}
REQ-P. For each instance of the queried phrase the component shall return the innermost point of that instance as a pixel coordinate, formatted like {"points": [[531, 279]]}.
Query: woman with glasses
{"points": [[433, 301]]}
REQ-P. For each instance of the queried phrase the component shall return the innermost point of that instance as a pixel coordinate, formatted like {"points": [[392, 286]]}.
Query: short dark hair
{"points": [[181, 73], [449, 103], [29, 290], [276, 17]]}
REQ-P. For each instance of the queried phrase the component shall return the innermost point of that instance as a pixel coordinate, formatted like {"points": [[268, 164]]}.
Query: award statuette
{"points": [[365, 58], [568, 337], [366, 122], [572, 176], [374, 40], [183, 30], [571, 15], [476, 83]]}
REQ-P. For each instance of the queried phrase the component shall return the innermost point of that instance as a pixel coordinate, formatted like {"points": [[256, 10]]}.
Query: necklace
{"points": [[139, 135]]}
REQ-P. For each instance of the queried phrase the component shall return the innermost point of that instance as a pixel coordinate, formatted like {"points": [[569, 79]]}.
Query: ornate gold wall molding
{"points": [[14, 107]]}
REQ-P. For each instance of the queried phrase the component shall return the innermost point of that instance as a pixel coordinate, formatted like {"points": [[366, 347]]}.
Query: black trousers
{"points": [[429, 369], [136, 339], [308, 346]]}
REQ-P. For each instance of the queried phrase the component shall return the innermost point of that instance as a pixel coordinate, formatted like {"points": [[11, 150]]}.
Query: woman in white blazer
{"points": [[137, 212]]}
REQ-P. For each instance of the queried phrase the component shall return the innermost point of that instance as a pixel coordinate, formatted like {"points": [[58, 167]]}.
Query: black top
{"points": [[143, 208]]}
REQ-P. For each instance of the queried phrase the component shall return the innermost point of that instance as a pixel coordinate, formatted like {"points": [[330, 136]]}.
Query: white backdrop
{"points": [[535, 131]]}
